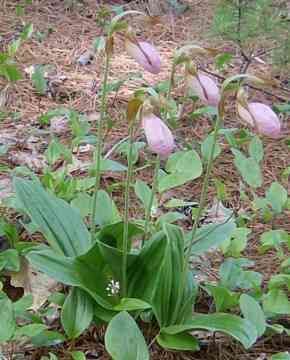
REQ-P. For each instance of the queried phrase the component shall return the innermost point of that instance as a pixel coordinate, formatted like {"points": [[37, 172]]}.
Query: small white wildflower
{"points": [[113, 287]]}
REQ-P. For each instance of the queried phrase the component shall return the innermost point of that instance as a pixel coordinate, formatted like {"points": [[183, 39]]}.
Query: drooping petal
{"points": [[195, 86], [245, 115], [159, 137], [263, 117], [145, 54]]}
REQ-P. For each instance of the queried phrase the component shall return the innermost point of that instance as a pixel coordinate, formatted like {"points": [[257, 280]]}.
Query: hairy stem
{"points": [[126, 211], [152, 195], [171, 82], [203, 195], [100, 144], [202, 204]]}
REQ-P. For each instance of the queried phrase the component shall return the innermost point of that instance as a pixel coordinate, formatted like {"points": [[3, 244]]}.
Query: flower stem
{"points": [[171, 82], [126, 211], [203, 195], [152, 195], [100, 144], [202, 204]]}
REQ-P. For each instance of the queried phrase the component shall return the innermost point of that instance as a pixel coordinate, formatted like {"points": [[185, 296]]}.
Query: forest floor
{"points": [[61, 35]]}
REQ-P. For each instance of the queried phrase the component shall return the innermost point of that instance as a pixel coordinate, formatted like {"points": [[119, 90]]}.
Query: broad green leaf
{"points": [[124, 340], [136, 147], [252, 311], [211, 236], [55, 151], [233, 275], [169, 305], [47, 338], [27, 31], [182, 342], [238, 242], [106, 210], [285, 266], [274, 239], [103, 315], [57, 298], [77, 313], [90, 272], [281, 356], [46, 118], [143, 192], [10, 260], [78, 355], [21, 305], [38, 80], [276, 302], [112, 234], [240, 329], [205, 110], [282, 108], [130, 304], [111, 165], [249, 169], [13, 47], [279, 280], [58, 221], [182, 166], [30, 330], [169, 218], [145, 268], [256, 150], [176, 203], [95, 270], [206, 148], [277, 196], [82, 202], [222, 60], [99, 44], [224, 299], [7, 318], [11, 72]]}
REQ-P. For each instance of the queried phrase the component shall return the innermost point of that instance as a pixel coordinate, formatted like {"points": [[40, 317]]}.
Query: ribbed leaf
{"points": [[77, 313], [181, 342], [170, 306], [124, 340], [58, 221], [240, 329]]}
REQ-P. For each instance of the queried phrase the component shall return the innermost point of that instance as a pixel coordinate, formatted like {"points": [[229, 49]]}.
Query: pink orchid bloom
{"points": [[205, 88], [262, 117], [145, 54], [158, 135]]}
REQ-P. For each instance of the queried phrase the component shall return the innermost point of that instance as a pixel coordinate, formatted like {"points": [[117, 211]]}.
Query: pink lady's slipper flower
{"points": [[205, 88], [262, 117], [158, 135], [145, 54]]}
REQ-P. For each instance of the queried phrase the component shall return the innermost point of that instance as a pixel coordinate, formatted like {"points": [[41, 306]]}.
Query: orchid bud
{"points": [[262, 117], [158, 135], [205, 88], [145, 54]]}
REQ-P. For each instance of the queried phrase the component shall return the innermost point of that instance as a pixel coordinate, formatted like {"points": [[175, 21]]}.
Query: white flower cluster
{"points": [[113, 287]]}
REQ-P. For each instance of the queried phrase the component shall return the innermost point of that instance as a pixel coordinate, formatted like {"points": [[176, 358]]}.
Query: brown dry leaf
{"points": [[59, 125], [5, 188], [218, 213], [33, 282], [33, 161]]}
